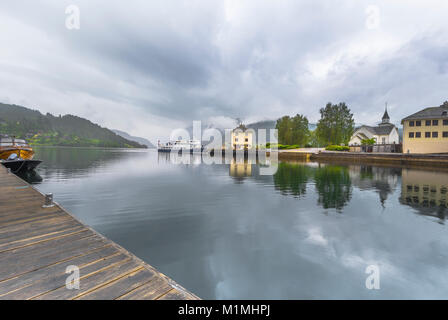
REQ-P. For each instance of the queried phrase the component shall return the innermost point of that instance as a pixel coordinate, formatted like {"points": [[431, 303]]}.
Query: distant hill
{"points": [[49, 130], [140, 140], [267, 124]]}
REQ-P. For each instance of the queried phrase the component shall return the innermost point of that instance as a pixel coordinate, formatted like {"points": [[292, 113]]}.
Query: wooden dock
{"points": [[37, 245]]}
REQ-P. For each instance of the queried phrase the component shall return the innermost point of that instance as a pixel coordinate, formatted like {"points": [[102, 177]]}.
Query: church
{"points": [[384, 133]]}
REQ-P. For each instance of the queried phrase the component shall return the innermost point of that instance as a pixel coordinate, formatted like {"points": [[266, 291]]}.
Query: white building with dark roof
{"points": [[384, 133]]}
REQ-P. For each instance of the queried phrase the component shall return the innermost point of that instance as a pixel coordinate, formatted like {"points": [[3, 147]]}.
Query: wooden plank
{"points": [[34, 276], [20, 192], [42, 238], [9, 209], [14, 201], [45, 247], [93, 282], [31, 219], [175, 295], [35, 228], [149, 291], [24, 216], [10, 268], [21, 206], [57, 281], [121, 286]]}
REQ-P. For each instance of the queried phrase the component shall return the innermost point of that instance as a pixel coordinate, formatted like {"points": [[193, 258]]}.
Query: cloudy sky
{"points": [[148, 67]]}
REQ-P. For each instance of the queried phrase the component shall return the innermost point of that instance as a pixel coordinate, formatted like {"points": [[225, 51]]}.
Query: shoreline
{"points": [[432, 160]]}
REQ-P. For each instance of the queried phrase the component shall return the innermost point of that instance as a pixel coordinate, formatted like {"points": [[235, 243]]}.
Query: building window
{"points": [[411, 123], [445, 122], [435, 122], [236, 139], [418, 134], [427, 134], [418, 123], [247, 140], [411, 134], [435, 134], [428, 123], [383, 140], [445, 134]]}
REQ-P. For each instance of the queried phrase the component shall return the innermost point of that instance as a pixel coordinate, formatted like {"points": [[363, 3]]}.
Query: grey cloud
{"points": [[185, 60]]}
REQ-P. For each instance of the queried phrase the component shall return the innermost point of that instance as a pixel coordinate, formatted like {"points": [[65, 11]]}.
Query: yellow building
{"points": [[242, 138], [426, 131]]}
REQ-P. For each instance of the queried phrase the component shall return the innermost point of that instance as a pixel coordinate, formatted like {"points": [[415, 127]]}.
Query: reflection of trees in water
{"points": [[333, 185], [291, 179], [425, 191]]}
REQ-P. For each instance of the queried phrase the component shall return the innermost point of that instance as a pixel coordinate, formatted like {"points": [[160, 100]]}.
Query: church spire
{"points": [[386, 117]]}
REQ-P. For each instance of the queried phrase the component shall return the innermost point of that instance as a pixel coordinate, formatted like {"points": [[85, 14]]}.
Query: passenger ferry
{"points": [[191, 146]]}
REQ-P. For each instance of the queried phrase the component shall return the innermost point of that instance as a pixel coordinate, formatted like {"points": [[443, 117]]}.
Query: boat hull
{"points": [[24, 153], [21, 165], [196, 150]]}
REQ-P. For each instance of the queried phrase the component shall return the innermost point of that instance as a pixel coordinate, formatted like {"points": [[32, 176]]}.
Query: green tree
{"points": [[293, 131], [283, 127], [368, 142], [299, 130], [314, 140], [336, 124]]}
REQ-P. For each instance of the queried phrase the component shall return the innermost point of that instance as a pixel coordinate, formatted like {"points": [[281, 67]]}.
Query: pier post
{"points": [[48, 200]]}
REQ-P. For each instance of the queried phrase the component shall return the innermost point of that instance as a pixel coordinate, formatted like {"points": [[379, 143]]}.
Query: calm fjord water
{"points": [[226, 232]]}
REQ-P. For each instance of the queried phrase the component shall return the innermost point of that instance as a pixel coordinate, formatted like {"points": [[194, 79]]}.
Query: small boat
{"points": [[10, 146], [192, 146], [17, 155]]}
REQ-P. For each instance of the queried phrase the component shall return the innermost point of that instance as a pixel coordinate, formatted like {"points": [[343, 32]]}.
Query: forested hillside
{"points": [[51, 130]]}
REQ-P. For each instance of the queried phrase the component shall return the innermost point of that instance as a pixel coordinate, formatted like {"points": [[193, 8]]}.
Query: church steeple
{"points": [[386, 117]]}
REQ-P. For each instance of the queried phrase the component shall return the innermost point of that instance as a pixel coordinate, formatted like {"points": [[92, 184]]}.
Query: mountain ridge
{"points": [[50, 130], [127, 136]]}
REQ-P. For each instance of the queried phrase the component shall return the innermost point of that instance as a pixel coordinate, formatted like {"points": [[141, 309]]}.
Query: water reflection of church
{"points": [[382, 179], [425, 191]]}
